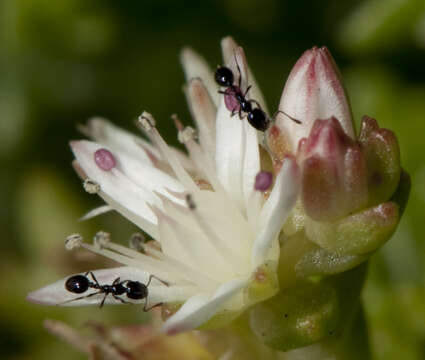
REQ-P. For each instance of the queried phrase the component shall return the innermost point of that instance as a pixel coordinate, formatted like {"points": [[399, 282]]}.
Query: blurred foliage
{"points": [[64, 61]]}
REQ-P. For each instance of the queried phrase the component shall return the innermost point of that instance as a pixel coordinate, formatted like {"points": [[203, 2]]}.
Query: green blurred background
{"points": [[64, 61]]}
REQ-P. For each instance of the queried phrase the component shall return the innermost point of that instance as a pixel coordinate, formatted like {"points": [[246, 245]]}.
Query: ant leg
{"points": [[221, 92], [157, 278], [145, 309], [117, 281], [233, 113], [103, 300], [82, 297], [122, 300], [239, 71], [247, 89], [94, 278], [256, 103]]}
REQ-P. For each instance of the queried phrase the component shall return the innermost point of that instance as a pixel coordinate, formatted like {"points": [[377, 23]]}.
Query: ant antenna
{"points": [[289, 116]]}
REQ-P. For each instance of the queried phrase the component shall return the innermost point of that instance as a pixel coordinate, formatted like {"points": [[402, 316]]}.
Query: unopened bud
{"points": [[334, 172], [383, 160]]}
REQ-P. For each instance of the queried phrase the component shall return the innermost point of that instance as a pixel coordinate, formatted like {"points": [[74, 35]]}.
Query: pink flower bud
{"points": [[383, 160], [334, 172], [313, 91]]}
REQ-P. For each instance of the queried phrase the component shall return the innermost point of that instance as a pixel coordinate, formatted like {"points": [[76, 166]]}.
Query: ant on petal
{"points": [[134, 290], [236, 101]]}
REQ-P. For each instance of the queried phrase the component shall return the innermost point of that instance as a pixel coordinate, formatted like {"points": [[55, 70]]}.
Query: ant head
{"points": [[77, 284], [224, 76]]}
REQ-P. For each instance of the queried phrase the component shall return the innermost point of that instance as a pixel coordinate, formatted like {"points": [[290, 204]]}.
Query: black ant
{"points": [[235, 100], [133, 289]]}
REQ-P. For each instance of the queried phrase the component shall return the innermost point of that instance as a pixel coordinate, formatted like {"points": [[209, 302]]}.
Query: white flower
{"points": [[215, 235]]}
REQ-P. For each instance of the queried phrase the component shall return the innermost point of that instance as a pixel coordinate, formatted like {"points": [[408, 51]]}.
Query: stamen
{"points": [[202, 161], [136, 242], [147, 123], [170, 269], [263, 181], [187, 134], [101, 240], [104, 159], [73, 241], [91, 186]]}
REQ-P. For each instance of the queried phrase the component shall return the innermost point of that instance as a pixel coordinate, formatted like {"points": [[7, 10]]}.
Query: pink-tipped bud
{"points": [[314, 90], [334, 172], [383, 160]]}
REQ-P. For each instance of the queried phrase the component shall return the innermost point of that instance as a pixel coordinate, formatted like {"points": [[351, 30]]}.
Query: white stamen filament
{"points": [[168, 155]]}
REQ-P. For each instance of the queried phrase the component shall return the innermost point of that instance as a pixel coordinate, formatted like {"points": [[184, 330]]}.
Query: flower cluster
{"points": [[244, 216]]}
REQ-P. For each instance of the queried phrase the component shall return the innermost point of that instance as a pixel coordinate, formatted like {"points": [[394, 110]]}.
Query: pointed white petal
{"points": [[230, 48], [114, 183], [195, 66], [118, 139], [202, 307], [204, 113], [276, 210], [229, 153], [96, 212], [202, 250], [57, 294], [251, 162]]}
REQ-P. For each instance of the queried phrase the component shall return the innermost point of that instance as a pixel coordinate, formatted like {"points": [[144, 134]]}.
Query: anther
{"points": [[136, 241], [91, 186], [190, 203], [101, 239], [187, 134], [73, 241], [145, 121], [104, 159], [263, 181]]}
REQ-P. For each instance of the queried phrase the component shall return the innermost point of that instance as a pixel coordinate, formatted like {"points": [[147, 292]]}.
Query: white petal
{"points": [[229, 153], [230, 48], [116, 186], [202, 250], [118, 139], [96, 212], [195, 66], [202, 307], [251, 162], [204, 113], [130, 183], [57, 294], [276, 210]]}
